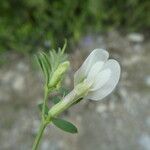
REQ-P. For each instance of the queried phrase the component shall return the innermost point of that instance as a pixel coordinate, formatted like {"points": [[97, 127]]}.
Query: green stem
{"points": [[38, 137], [43, 124], [44, 104]]}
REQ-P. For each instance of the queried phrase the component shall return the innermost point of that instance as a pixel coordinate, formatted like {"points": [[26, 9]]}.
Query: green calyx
{"points": [[82, 89], [72, 98]]}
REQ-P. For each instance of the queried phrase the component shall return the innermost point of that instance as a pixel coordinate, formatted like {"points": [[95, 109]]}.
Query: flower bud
{"points": [[57, 75]]}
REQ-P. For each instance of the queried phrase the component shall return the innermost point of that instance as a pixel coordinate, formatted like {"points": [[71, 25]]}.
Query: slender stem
{"points": [[38, 137], [44, 104], [43, 124]]}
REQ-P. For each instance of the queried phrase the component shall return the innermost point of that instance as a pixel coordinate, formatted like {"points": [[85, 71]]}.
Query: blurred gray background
{"points": [[121, 121]]}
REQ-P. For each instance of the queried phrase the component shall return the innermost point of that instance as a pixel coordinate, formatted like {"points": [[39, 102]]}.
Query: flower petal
{"points": [[101, 78], [111, 83], [94, 71], [96, 55]]}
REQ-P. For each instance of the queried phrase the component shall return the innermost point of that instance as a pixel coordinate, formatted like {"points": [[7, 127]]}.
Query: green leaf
{"points": [[42, 59], [46, 67], [55, 100], [40, 62], [46, 56], [64, 47], [40, 105], [64, 125]]}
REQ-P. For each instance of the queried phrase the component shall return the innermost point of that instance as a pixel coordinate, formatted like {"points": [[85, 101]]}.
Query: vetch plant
{"points": [[95, 79]]}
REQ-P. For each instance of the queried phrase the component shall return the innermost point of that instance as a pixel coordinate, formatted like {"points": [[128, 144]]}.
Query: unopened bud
{"points": [[57, 75]]}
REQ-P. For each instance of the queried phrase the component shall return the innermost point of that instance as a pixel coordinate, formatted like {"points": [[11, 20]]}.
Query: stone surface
{"points": [[121, 121], [136, 37]]}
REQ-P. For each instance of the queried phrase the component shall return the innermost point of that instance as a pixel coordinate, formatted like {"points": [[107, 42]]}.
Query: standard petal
{"points": [[95, 56], [108, 87]]}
